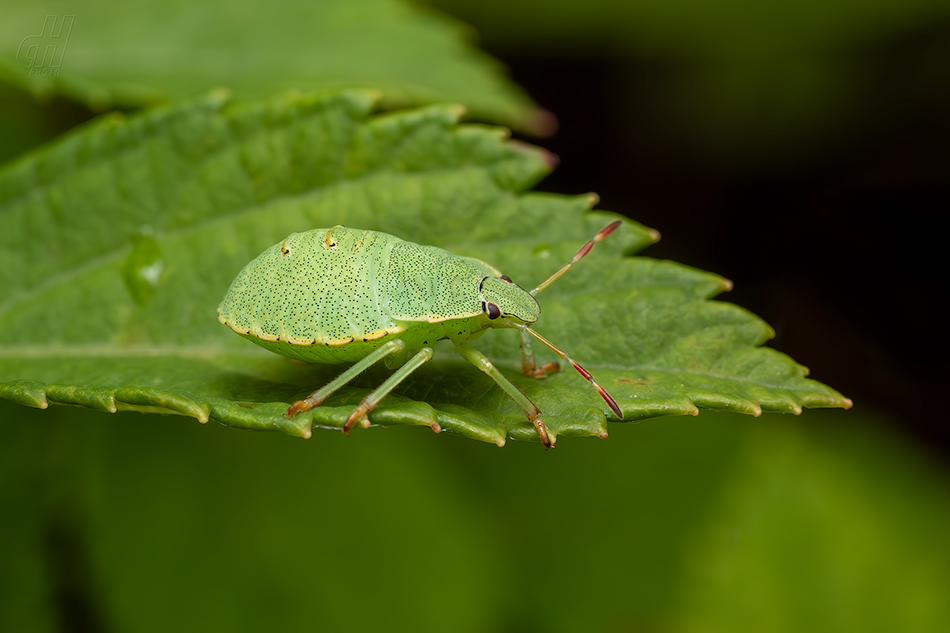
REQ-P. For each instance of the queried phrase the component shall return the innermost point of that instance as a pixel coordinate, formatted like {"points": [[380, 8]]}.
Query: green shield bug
{"points": [[343, 295]]}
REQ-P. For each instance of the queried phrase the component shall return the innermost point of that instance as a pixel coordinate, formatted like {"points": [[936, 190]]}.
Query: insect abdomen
{"points": [[313, 288]]}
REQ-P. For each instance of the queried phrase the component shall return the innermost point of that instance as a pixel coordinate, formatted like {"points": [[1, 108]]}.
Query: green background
{"points": [[718, 522], [834, 521]]}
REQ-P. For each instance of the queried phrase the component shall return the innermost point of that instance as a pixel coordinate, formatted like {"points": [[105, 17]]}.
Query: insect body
{"points": [[343, 295]]}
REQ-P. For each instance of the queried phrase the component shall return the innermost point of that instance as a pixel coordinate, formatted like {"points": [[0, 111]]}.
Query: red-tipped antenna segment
{"points": [[583, 372], [604, 232]]}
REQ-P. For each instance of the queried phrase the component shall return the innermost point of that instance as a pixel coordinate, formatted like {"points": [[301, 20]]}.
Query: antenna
{"points": [[604, 232], [583, 372]]}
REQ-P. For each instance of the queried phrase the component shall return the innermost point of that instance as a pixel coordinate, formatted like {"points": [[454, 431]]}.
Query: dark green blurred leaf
{"points": [[212, 184], [834, 526], [693, 524], [130, 54]]}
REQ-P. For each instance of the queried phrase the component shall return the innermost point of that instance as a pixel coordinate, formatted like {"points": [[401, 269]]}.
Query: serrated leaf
{"points": [[193, 191], [146, 52]]}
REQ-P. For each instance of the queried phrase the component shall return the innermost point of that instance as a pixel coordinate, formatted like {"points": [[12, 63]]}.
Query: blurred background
{"points": [[797, 148]]}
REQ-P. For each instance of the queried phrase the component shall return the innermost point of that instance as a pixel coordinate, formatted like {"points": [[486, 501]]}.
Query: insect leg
{"points": [[531, 409], [390, 347], [528, 365], [370, 401]]}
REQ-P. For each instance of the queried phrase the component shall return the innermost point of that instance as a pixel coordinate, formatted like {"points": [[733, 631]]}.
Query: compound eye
{"points": [[492, 311], [506, 278]]}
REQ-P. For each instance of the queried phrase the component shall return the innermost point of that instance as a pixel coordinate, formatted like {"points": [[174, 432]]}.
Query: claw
{"points": [[542, 371], [543, 432], [355, 416], [299, 407]]}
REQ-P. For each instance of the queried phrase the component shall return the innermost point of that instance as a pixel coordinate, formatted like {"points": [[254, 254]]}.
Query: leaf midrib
{"points": [[215, 353]]}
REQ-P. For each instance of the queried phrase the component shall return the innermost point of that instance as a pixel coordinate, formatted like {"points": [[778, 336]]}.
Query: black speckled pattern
{"points": [[334, 286]]}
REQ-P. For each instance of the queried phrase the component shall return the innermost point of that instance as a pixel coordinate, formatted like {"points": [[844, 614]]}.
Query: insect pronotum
{"points": [[342, 295]]}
